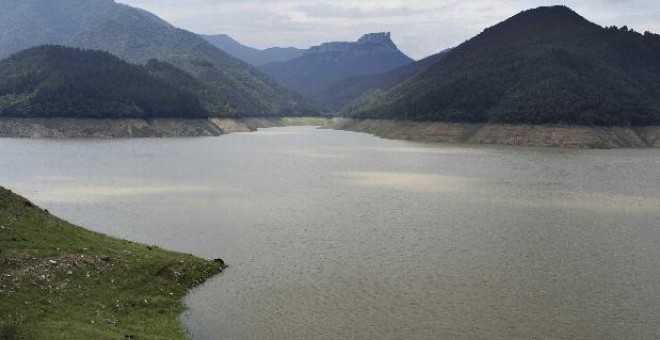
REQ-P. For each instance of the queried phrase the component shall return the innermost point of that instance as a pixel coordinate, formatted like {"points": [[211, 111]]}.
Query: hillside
{"points": [[338, 94], [55, 81], [139, 36], [252, 55], [60, 281], [322, 65], [545, 65]]}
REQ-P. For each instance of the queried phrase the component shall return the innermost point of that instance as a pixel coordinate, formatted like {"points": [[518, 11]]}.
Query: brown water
{"points": [[339, 235]]}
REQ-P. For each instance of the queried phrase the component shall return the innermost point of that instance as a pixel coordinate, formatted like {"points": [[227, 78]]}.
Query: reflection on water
{"points": [[417, 182], [89, 193], [339, 235]]}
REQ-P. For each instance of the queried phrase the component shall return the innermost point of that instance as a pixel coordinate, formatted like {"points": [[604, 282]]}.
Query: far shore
{"points": [[564, 136]]}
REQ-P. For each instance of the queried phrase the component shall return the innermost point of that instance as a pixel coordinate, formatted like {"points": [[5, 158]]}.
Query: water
{"points": [[339, 235]]}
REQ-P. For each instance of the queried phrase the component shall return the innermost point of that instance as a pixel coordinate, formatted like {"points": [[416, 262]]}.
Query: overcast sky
{"points": [[419, 27]]}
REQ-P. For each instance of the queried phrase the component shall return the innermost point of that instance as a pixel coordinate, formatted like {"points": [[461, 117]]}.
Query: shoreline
{"points": [[583, 137], [63, 128], [562, 136]]}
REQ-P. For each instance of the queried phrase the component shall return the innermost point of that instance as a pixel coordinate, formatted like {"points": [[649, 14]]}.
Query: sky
{"points": [[419, 27]]}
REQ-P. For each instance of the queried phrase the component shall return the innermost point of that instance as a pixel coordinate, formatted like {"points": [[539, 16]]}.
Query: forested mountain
{"points": [[322, 65], [545, 65], [338, 94], [138, 36], [252, 55], [56, 81]]}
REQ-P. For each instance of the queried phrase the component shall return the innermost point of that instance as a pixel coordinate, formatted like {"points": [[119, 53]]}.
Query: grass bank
{"points": [[250, 124], [60, 281]]}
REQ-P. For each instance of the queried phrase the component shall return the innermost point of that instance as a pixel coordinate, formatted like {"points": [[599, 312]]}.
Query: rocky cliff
{"points": [[369, 44]]}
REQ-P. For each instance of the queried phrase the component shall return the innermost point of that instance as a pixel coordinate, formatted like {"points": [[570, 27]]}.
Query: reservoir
{"points": [[340, 235]]}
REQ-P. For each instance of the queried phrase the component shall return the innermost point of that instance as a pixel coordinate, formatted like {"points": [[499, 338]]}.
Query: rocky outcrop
{"points": [[528, 135], [368, 44], [383, 38]]}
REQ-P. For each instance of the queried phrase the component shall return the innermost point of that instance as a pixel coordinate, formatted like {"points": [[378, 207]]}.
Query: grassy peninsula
{"points": [[60, 281]]}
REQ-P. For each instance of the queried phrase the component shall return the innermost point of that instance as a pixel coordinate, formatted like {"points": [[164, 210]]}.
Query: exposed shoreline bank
{"points": [[523, 135], [434, 132], [61, 128]]}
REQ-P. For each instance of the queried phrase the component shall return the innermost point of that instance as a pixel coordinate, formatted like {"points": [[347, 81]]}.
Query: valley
{"points": [[410, 170]]}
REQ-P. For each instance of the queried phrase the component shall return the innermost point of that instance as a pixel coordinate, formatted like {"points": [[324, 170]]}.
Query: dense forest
{"points": [[343, 92], [546, 65], [55, 81]]}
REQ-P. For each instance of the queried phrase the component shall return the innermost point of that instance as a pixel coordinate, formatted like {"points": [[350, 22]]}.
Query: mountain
{"points": [[322, 65], [545, 65], [55, 81], [139, 36], [252, 55], [338, 94]]}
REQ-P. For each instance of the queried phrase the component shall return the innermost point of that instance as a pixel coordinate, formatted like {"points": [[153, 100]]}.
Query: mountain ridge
{"points": [[329, 62], [343, 92], [547, 65], [57, 81], [253, 55], [139, 36]]}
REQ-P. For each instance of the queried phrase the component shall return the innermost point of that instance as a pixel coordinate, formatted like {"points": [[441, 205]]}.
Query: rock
{"points": [[221, 262]]}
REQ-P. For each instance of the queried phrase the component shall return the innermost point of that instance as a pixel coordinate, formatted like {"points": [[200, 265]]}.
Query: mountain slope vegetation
{"points": [[545, 65], [56, 81], [341, 93], [139, 36]]}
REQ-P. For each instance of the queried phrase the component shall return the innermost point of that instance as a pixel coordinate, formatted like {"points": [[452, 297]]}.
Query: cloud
{"points": [[327, 10], [419, 27]]}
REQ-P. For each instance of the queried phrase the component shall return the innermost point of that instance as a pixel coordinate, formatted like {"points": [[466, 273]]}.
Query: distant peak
{"points": [[368, 42], [375, 38], [542, 21], [558, 10], [555, 8]]}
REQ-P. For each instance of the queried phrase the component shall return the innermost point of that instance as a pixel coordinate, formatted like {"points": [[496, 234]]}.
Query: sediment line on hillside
{"points": [[105, 128], [141, 128], [527, 135]]}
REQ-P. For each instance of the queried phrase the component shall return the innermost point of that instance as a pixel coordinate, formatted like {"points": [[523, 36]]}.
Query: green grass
{"points": [[305, 121], [60, 281]]}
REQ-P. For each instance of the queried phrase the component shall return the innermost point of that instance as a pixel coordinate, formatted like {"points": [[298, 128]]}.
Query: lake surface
{"points": [[340, 235]]}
